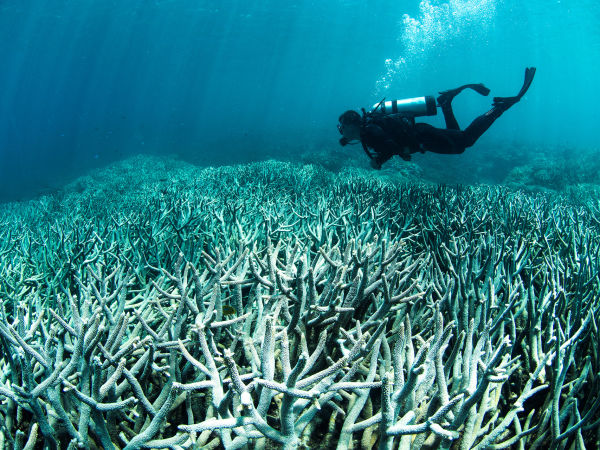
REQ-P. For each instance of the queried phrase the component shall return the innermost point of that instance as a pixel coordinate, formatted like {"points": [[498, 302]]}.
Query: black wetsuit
{"points": [[384, 136]]}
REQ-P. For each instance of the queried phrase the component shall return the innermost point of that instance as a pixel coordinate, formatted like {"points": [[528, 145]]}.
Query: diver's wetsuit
{"points": [[385, 136]]}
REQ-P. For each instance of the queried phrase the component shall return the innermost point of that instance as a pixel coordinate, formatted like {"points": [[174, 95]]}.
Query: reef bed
{"points": [[276, 305]]}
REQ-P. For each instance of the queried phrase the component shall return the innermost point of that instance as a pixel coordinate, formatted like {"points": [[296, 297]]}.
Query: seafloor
{"points": [[154, 304]]}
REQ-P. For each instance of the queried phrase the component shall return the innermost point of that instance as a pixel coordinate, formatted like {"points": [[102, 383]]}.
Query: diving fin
{"points": [[507, 102], [447, 96], [479, 88]]}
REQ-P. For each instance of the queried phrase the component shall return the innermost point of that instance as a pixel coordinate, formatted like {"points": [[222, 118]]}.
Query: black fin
{"points": [[507, 102], [447, 96], [480, 89]]}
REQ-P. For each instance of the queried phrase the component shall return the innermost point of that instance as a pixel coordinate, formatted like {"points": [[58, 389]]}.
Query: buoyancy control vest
{"points": [[395, 117]]}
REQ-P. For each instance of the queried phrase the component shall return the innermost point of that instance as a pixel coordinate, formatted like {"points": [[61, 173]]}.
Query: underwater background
{"points": [[189, 259], [87, 83]]}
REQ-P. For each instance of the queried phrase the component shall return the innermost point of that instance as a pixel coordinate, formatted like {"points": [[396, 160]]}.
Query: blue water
{"points": [[84, 82]]}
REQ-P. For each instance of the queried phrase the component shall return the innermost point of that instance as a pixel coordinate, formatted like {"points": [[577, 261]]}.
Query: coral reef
{"points": [[281, 305], [556, 169], [479, 164]]}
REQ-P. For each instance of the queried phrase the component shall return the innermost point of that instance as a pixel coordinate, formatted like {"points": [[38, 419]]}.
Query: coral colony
{"points": [[281, 306]]}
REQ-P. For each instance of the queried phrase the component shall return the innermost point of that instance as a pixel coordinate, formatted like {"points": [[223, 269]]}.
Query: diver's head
{"points": [[349, 127]]}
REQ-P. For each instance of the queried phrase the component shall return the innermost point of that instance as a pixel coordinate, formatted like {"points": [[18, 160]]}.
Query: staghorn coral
{"points": [[275, 304], [556, 169]]}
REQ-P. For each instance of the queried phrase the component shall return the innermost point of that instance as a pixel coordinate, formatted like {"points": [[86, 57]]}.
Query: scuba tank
{"points": [[410, 107]]}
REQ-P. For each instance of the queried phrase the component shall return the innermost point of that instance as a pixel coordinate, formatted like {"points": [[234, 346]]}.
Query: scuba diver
{"points": [[389, 128]]}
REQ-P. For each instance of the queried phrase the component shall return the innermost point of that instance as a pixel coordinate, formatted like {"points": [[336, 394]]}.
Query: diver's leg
{"points": [[480, 125], [501, 104], [451, 122], [445, 102], [437, 140]]}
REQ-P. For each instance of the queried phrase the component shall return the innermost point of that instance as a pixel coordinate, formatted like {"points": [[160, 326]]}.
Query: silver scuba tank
{"points": [[410, 107]]}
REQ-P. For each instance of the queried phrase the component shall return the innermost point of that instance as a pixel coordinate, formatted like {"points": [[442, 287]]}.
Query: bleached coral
{"points": [[273, 301]]}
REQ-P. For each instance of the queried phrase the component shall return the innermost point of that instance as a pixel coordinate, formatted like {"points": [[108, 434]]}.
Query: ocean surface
{"points": [[87, 83]]}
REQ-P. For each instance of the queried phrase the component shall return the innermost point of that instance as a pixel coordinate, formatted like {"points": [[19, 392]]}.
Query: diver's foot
{"points": [[446, 97], [507, 102]]}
